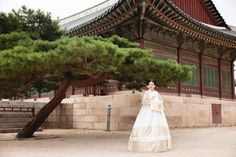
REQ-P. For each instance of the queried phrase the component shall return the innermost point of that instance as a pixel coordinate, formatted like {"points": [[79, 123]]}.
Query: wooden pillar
{"points": [[85, 91], [55, 93], [140, 34], [73, 90], [40, 92], [220, 80], [89, 90], [178, 60], [94, 90], [232, 79], [105, 88], [26, 94], [141, 43], [201, 74]]}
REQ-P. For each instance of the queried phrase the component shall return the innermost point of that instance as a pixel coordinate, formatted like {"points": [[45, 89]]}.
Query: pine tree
{"points": [[33, 54], [79, 61]]}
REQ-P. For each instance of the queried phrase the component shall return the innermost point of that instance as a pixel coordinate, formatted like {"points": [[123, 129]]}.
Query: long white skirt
{"points": [[150, 132]]}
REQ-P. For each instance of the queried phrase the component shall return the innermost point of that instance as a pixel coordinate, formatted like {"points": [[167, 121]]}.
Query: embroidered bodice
{"points": [[153, 99]]}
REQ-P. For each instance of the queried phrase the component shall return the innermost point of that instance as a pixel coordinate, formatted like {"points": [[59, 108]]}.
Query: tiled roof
{"points": [[103, 13], [88, 16], [215, 13], [224, 30]]}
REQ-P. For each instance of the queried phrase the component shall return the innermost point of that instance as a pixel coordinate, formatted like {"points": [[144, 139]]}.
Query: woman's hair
{"points": [[151, 81]]}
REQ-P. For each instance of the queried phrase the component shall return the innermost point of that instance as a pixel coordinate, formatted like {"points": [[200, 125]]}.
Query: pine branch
{"points": [[91, 81]]}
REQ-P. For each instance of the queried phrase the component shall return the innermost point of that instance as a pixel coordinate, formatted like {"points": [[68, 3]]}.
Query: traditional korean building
{"points": [[188, 31]]}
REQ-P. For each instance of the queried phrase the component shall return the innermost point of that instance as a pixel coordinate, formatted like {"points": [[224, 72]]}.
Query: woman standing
{"points": [[150, 132]]}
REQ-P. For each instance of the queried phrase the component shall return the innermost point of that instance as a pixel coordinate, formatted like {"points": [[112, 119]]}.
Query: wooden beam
{"points": [[220, 80], [142, 10], [232, 79]]}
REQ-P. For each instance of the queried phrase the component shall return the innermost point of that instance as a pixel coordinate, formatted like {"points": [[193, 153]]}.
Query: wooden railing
{"points": [[17, 109]]}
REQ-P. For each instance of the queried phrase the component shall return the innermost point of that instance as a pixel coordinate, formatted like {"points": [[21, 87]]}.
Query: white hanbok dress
{"points": [[150, 131]]}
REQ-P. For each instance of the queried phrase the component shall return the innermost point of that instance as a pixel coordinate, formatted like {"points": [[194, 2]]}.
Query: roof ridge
{"points": [[88, 11]]}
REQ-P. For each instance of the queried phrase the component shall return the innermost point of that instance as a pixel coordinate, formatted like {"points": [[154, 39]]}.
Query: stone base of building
{"points": [[93, 112]]}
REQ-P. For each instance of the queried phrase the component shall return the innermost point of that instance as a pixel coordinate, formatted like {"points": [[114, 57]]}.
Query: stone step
{"points": [[12, 125], [14, 130], [15, 115], [9, 130], [14, 120]]}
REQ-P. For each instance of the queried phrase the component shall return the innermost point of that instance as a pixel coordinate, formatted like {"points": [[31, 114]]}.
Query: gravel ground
{"points": [[200, 142]]}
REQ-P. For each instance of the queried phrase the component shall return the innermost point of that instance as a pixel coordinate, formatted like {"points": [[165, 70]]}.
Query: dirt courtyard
{"points": [[199, 142]]}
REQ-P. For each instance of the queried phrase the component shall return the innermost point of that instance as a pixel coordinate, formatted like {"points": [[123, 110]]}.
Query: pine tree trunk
{"points": [[38, 120]]}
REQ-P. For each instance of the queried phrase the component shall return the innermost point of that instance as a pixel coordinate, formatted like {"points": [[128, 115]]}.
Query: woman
{"points": [[150, 132]]}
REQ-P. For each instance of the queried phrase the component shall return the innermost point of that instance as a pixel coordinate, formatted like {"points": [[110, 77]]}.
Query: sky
{"points": [[63, 8]]}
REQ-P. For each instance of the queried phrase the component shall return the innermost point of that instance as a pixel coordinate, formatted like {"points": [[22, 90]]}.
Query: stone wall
{"points": [[61, 117], [197, 112], [91, 112]]}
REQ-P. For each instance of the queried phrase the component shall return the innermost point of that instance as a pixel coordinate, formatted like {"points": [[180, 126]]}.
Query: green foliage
{"points": [[140, 67], [122, 42], [27, 65], [9, 41], [37, 24]]}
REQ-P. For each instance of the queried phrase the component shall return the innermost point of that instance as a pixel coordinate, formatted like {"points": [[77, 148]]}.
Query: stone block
{"points": [[115, 119], [53, 118], [135, 100], [67, 112], [80, 112], [81, 105], [97, 111], [78, 100], [175, 110], [129, 111], [99, 126], [66, 119], [100, 119], [127, 119], [175, 121], [83, 119], [124, 126], [114, 126], [203, 114], [115, 111], [80, 125], [67, 106], [172, 99], [51, 125], [39, 105], [66, 125], [121, 101], [58, 110], [193, 100], [101, 102]]}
